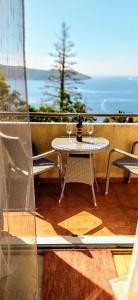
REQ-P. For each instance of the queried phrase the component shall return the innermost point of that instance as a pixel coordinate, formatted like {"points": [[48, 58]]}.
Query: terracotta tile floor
{"points": [[116, 213]]}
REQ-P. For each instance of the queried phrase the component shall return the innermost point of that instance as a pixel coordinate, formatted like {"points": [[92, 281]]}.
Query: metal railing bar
{"points": [[51, 114]]}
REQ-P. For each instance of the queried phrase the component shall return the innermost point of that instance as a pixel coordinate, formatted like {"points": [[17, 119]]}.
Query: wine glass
{"points": [[90, 128], [69, 129]]}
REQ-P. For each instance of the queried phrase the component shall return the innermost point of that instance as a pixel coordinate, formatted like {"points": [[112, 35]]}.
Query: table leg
{"points": [[92, 174], [71, 174], [95, 179]]}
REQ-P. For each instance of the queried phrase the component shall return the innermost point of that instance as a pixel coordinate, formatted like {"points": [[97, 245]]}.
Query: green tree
{"points": [[10, 100], [64, 78]]}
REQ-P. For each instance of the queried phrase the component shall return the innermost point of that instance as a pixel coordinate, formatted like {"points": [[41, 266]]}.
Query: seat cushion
{"points": [[43, 162], [42, 165], [128, 163]]}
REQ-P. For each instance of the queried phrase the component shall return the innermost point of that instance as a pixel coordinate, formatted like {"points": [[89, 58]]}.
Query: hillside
{"points": [[35, 74]]}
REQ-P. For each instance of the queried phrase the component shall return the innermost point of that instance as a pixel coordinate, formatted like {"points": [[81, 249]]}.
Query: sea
{"points": [[101, 94]]}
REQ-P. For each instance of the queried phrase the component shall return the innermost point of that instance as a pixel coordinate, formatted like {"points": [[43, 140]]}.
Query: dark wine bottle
{"points": [[79, 129]]}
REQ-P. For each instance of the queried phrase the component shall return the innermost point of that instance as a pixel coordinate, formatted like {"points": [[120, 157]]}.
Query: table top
{"points": [[88, 144]]}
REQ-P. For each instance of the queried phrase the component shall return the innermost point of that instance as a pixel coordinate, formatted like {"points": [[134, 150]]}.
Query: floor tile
{"points": [[115, 214]]}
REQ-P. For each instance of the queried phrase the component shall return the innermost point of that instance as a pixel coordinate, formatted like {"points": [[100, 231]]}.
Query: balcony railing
{"points": [[67, 117], [68, 114]]}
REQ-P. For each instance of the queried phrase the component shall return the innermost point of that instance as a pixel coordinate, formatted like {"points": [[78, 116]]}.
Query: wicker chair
{"points": [[20, 161], [128, 162]]}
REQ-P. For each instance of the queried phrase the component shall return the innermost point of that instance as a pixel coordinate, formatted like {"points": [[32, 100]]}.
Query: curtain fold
{"points": [[126, 288], [18, 249]]}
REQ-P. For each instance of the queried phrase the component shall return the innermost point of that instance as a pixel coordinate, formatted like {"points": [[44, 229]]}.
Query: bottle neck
{"points": [[79, 130], [79, 124]]}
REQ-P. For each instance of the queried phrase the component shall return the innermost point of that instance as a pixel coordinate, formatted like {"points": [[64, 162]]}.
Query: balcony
{"points": [[77, 221], [115, 214]]}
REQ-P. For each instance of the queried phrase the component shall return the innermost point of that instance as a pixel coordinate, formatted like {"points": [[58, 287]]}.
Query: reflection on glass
{"points": [[69, 129], [90, 129]]}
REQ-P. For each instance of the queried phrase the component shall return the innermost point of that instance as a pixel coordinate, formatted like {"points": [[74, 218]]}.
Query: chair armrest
{"points": [[134, 146], [42, 155], [123, 152]]}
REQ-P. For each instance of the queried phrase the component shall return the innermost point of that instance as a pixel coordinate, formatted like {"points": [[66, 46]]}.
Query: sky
{"points": [[104, 32]]}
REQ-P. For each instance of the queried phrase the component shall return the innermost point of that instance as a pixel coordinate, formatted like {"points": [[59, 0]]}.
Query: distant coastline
{"points": [[36, 74], [102, 94]]}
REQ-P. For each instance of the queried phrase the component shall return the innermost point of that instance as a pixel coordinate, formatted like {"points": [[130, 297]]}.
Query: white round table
{"points": [[88, 144], [80, 159]]}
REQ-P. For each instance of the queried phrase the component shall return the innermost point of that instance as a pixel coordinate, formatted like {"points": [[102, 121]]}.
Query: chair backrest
{"points": [[14, 149]]}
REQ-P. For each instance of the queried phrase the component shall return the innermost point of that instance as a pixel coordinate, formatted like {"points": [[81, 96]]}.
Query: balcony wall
{"points": [[119, 135]]}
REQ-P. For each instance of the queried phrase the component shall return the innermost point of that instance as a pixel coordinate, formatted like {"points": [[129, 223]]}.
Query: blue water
{"points": [[100, 94]]}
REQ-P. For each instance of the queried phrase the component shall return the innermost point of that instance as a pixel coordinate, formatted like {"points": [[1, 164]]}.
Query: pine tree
{"points": [[64, 78]]}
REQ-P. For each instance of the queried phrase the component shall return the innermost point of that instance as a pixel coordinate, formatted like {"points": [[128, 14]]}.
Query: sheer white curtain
{"points": [[18, 251], [126, 288]]}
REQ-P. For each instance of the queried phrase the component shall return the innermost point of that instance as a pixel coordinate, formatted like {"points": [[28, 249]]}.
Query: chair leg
{"points": [[93, 194], [96, 183], [108, 174], [128, 178], [60, 169], [62, 193], [60, 177], [28, 192]]}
